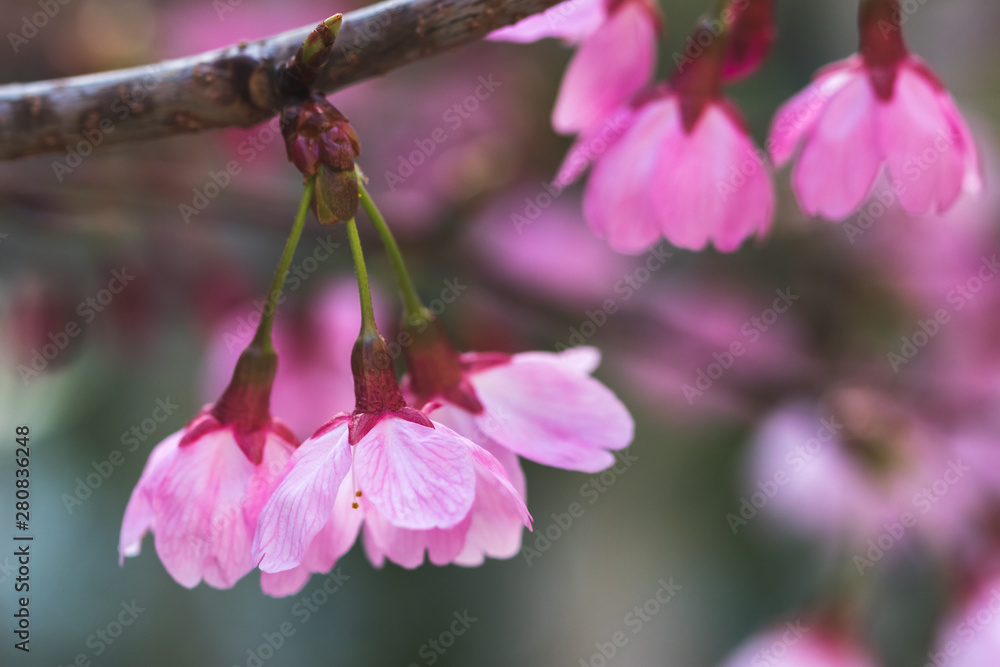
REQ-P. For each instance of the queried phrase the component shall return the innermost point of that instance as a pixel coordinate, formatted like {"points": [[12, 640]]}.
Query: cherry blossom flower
{"points": [[203, 488], [540, 405], [614, 60], [882, 108], [415, 484], [678, 163]]}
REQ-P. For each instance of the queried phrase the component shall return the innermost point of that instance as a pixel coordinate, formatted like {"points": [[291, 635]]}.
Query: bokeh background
{"points": [[661, 517]]}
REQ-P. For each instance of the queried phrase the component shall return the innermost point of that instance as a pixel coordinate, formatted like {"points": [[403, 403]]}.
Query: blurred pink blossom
{"points": [[615, 57], [534, 242], [866, 475], [880, 108]]}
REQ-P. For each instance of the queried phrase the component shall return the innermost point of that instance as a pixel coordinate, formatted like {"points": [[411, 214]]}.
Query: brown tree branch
{"points": [[235, 86]]}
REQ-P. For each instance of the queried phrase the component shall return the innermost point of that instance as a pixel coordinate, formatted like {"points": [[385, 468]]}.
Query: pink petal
{"points": [[610, 67], [749, 208], [701, 194], [282, 584], [841, 159], [538, 409], [406, 547], [797, 117], [201, 531], [338, 535], [591, 145], [301, 504], [582, 360], [923, 157], [139, 515], [416, 477], [617, 202], [572, 21], [972, 177]]}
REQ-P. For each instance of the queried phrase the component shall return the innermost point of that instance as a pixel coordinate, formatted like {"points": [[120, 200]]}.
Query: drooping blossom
{"points": [[615, 57], [414, 483], [540, 405], [679, 163], [800, 643], [203, 487], [864, 473], [882, 108]]}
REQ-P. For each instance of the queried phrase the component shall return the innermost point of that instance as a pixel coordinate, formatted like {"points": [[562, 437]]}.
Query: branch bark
{"points": [[235, 86]]}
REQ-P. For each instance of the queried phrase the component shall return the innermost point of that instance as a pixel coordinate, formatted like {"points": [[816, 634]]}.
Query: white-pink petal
{"points": [[302, 503], [416, 477], [201, 531], [139, 515], [537, 408]]}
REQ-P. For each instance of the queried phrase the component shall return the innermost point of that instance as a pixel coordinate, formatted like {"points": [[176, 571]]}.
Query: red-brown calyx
{"points": [[697, 81], [244, 406], [376, 391], [882, 46], [435, 368]]}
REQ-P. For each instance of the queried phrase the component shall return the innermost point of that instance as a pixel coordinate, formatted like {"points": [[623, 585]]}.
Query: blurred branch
{"points": [[235, 86]]}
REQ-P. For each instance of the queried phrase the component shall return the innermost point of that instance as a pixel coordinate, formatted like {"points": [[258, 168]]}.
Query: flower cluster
{"points": [[429, 465], [676, 160]]}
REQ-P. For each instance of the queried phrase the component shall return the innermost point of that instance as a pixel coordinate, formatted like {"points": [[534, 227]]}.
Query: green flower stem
{"points": [[262, 338], [364, 291], [411, 299]]}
